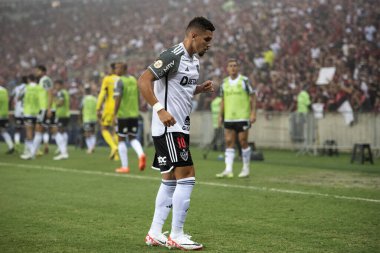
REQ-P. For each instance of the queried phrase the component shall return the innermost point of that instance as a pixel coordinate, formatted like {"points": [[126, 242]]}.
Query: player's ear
{"points": [[193, 35]]}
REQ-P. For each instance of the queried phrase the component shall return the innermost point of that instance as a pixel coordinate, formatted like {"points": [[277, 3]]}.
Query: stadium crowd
{"points": [[281, 44]]}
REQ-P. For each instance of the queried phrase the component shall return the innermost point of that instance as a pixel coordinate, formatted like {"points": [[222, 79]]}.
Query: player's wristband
{"points": [[158, 107]]}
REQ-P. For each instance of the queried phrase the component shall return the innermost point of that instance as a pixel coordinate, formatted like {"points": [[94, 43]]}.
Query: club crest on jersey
{"points": [[184, 155], [158, 64]]}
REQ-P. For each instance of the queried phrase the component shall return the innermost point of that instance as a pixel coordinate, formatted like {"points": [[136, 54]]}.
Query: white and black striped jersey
{"points": [[177, 76]]}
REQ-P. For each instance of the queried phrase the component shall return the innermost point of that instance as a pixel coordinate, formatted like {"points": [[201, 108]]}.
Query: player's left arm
{"points": [[205, 87], [48, 85], [101, 98], [252, 98]]}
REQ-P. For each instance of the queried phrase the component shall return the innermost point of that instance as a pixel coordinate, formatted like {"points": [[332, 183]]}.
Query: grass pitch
{"points": [[289, 204]]}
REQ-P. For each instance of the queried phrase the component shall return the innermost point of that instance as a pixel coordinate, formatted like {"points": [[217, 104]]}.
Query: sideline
{"points": [[255, 188]]}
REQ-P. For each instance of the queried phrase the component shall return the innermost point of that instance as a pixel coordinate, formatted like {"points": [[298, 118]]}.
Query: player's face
{"points": [[38, 72], [232, 68], [202, 42], [119, 69]]}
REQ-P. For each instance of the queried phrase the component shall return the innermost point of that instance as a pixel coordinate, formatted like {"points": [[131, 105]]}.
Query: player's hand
{"points": [[166, 118], [252, 118], [207, 86]]}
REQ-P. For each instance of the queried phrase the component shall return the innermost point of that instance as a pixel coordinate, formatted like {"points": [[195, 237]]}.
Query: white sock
{"points": [[229, 160], [136, 145], [17, 138], [46, 138], [65, 138], [29, 146], [36, 143], [181, 203], [26, 147], [163, 206], [7, 139], [93, 141], [60, 143], [246, 155], [122, 147], [88, 142]]}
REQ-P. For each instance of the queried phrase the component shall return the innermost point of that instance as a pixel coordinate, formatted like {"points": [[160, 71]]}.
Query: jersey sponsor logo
{"points": [[187, 69], [167, 68], [158, 64], [185, 80], [171, 64], [184, 155], [161, 160]]}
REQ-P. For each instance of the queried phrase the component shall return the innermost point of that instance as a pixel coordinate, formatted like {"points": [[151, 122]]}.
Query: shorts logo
{"points": [[161, 160], [125, 130], [158, 64], [134, 129], [184, 155]]}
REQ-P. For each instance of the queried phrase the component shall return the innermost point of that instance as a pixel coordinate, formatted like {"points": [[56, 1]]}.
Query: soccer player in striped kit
{"points": [[174, 76]]}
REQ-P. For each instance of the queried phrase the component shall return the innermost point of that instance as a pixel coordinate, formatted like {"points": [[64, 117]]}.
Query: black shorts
{"points": [[89, 126], [43, 119], [4, 123], [238, 126], [172, 150], [30, 120], [127, 126], [19, 122], [63, 122]]}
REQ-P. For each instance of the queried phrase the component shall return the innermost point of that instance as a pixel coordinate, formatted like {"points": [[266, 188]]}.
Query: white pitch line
{"points": [[264, 189]]}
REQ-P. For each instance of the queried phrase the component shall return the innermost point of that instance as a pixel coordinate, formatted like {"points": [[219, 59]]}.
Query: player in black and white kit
{"points": [[17, 95], [175, 76]]}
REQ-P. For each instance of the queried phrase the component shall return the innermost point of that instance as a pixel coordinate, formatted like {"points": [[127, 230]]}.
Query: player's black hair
{"points": [[233, 60], [113, 65], [24, 79], [42, 68], [201, 23], [32, 78], [87, 88]]}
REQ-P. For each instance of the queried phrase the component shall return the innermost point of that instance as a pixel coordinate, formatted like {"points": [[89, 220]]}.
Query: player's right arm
{"points": [[221, 112], [101, 97], [166, 63], [145, 84]]}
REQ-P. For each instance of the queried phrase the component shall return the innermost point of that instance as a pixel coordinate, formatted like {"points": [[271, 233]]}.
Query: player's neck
{"points": [[233, 77], [187, 44]]}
